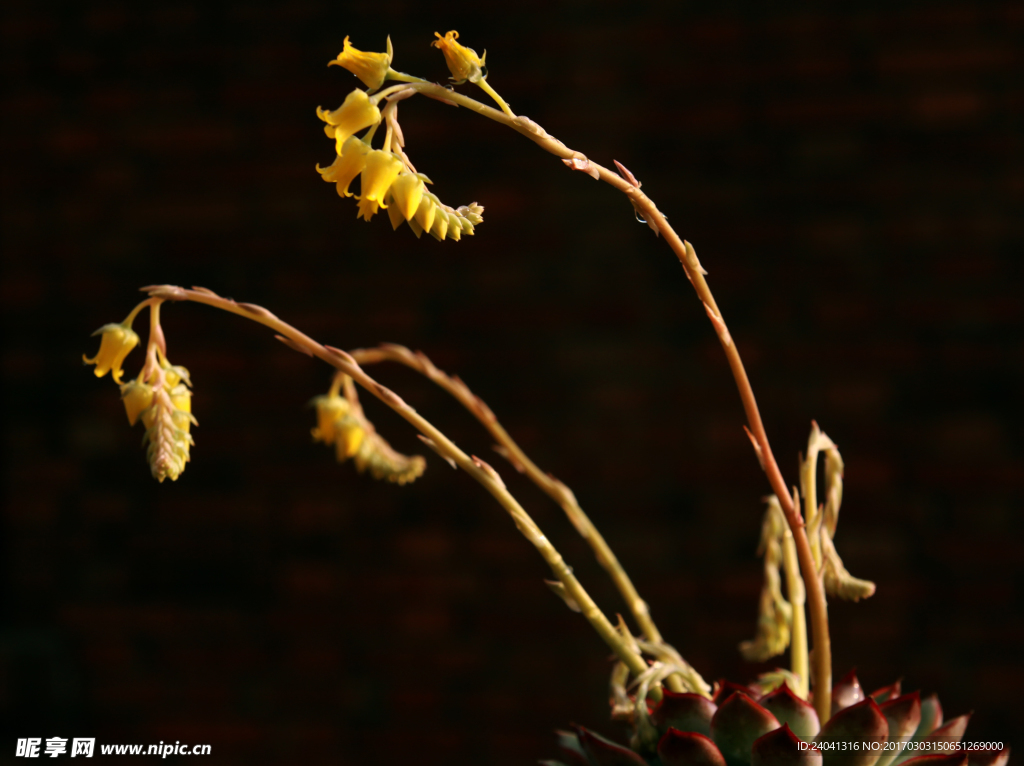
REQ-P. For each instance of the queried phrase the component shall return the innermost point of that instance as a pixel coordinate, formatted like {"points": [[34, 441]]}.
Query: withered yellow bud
{"points": [[117, 341], [463, 62], [137, 397], [408, 191], [347, 165], [371, 68], [356, 113], [329, 410]]}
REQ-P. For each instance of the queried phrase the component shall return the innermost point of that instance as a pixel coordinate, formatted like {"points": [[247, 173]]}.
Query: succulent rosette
{"points": [[743, 726]]}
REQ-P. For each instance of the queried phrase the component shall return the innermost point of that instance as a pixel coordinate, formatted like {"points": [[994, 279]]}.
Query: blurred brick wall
{"points": [[853, 184]]}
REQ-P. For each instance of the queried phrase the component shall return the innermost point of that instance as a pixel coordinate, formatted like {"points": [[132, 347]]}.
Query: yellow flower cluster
{"points": [[341, 422], [160, 396], [166, 412], [387, 178]]}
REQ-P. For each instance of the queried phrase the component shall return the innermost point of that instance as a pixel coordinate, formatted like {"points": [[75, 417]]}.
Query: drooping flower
{"points": [[382, 168], [357, 112], [371, 68], [347, 165], [342, 423], [117, 341], [137, 397], [463, 62], [330, 409]]}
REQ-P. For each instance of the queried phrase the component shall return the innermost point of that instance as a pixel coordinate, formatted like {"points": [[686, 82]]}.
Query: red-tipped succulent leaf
{"points": [[688, 748], [858, 723], [572, 750], [783, 748], [903, 715], [723, 689], [931, 717], [790, 709], [846, 692], [886, 693], [685, 712], [737, 724], [998, 757], [951, 731], [938, 759], [604, 752]]}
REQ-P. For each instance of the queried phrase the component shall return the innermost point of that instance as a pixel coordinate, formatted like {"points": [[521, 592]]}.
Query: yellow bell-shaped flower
{"points": [[117, 341], [371, 68], [137, 397], [347, 165], [356, 113], [462, 62], [382, 168]]}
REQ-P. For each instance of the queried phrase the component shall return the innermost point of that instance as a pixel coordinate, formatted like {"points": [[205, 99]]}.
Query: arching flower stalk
{"points": [[768, 722]]}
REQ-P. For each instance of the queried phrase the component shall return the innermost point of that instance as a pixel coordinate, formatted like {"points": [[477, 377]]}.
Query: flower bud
{"points": [[371, 68], [394, 214], [408, 191], [137, 397], [462, 62], [439, 229], [117, 341], [425, 213]]}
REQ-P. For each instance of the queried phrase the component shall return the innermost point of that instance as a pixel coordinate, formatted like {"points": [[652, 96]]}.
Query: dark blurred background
{"points": [[853, 184]]}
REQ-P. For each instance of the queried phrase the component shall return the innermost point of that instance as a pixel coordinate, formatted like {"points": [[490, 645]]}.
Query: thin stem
{"points": [[478, 469], [130, 319], [402, 76], [816, 603], [554, 488], [486, 88], [798, 630]]}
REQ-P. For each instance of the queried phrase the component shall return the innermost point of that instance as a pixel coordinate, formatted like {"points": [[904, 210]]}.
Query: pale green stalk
{"points": [[478, 469], [554, 488], [798, 659]]}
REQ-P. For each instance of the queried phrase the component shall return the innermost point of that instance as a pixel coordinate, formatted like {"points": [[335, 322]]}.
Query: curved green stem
{"points": [[486, 88], [478, 469], [554, 488]]}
